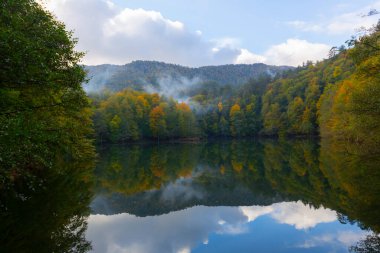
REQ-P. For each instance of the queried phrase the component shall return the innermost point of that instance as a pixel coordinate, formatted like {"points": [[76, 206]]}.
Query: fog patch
{"points": [[177, 88]]}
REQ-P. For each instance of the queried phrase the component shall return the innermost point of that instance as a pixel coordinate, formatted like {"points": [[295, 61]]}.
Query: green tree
{"points": [[237, 121], [295, 113], [273, 120], [115, 128], [43, 109]]}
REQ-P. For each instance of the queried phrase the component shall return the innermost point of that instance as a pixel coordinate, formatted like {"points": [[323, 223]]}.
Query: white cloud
{"points": [[110, 34], [301, 216], [128, 22], [246, 57], [343, 24], [293, 52], [348, 23]]}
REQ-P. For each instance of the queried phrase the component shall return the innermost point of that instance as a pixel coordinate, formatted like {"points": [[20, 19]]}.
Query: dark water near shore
{"points": [[221, 196]]}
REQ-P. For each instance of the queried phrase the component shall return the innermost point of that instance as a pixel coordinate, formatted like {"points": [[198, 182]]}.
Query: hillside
{"points": [[139, 74]]}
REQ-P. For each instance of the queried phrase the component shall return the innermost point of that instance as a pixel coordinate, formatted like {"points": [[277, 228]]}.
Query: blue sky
{"points": [[212, 32]]}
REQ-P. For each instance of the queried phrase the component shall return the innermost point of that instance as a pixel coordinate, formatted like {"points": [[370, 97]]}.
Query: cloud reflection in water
{"points": [[183, 230]]}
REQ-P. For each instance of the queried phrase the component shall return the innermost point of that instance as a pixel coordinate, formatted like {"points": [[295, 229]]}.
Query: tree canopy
{"points": [[44, 113]]}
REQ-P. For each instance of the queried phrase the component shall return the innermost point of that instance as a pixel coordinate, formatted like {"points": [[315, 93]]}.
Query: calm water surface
{"points": [[243, 196], [226, 196]]}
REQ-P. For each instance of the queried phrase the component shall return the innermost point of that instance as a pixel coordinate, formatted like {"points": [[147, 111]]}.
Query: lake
{"points": [[220, 196]]}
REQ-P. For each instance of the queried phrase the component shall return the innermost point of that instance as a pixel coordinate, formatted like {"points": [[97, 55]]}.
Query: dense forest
{"points": [[337, 97], [139, 74]]}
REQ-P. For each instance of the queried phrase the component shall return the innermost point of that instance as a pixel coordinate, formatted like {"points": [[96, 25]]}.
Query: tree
{"points": [[236, 119], [45, 127], [43, 109], [370, 244], [295, 113], [157, 122], [273, 120], [115, 128]]}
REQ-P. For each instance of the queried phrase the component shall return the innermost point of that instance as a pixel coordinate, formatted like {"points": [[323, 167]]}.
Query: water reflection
{"points": [[46, 211], [241, 196], [299, 183], [182, 231]]}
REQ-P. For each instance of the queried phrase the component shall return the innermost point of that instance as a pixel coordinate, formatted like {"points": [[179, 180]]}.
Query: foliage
{"points": [[338, 97], [371, 244], [44, 112], [132, 115], [138, 74], [350, 109]]}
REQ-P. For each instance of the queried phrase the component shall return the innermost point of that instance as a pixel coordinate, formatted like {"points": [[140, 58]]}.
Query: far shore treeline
{"points": [[336, 98]]}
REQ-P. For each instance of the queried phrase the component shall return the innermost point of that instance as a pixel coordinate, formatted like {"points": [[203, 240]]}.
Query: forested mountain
{"points": [[139, 74], [338, 97]]}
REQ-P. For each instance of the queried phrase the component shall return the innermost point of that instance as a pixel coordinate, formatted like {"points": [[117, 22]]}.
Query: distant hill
{"points": [[140, 74]]}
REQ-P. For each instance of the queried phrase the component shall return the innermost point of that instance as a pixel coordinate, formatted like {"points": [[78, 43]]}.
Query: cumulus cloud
{"points": [[116, 35], [293, 52], [110, 34], [247, 57]]}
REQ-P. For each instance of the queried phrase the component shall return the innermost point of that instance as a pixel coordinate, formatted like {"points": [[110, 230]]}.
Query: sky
{"points": [[212, 32]]}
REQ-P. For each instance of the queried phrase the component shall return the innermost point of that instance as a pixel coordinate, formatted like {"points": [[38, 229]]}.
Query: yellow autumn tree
{"points": [[157, 122]]}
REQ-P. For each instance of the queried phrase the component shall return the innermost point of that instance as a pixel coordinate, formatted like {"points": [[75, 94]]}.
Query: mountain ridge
{"points": [[138, 74]]}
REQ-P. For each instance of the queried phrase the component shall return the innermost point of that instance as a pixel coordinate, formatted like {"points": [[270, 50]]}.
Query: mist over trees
{"points": [[141, 75], [337, 98]]}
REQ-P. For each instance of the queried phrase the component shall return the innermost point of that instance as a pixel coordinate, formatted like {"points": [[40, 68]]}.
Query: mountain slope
{"points": [[139, 74]]}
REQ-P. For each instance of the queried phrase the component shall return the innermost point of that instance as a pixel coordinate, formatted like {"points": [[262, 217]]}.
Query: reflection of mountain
{"points": [[146, 180], [171, 198]]}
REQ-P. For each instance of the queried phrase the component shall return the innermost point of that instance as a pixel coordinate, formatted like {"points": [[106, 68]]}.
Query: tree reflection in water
{"points": [[46, 211], [338, 176]]}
